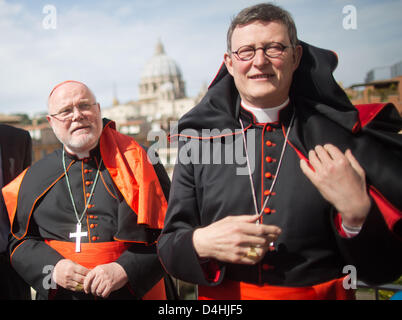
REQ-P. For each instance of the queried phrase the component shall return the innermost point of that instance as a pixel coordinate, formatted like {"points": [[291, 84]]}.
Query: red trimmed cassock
{"points": [[123, 220], [309, 256]]}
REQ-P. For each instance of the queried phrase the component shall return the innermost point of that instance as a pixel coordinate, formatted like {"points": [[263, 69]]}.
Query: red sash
{"points": [[94, 254], [233, 290]]}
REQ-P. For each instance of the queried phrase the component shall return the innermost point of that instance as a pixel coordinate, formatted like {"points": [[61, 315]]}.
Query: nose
{"points": [[77, 113], [260, 58]]}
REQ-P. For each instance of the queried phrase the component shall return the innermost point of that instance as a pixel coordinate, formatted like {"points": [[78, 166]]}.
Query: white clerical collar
{"points": [[264, 115]]}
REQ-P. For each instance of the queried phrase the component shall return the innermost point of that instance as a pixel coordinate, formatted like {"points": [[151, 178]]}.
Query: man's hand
{"points": [[104, 279], [230, 239], [69, 275], [341, 181]]}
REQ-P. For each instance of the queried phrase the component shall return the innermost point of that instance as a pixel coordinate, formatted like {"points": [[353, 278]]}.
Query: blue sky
{"points": [[106, 43]]}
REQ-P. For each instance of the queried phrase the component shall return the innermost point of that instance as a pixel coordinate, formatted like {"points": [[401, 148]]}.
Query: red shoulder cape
{"points": [[131, 171]]}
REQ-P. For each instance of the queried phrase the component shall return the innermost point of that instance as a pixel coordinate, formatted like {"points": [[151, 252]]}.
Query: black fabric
{"points": [[16, 155], [45, 211], [12, 287], [309, 250], [16, 146]]}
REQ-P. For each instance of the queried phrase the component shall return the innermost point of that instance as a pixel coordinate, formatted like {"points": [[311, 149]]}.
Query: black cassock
{"points": [[45, 212], [310, 249]]}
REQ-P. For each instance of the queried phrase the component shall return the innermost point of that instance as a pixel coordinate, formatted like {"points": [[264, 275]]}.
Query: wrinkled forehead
{"points": [[69, 93], [263, 30]]}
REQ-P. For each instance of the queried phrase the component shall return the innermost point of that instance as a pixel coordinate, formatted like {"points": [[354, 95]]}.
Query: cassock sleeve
{"points": [[175, 245], [142, 266], [141, 262], [34, 260], [375, 251]]}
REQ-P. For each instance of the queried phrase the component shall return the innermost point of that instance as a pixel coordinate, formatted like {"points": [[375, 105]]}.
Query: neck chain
{"points": [[277, 169], [79, 218]]}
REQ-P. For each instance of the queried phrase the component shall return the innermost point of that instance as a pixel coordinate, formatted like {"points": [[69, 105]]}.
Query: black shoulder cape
{"points": [[324, 114]]}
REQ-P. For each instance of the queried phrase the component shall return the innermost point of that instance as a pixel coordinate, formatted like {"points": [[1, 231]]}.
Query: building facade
{"points": [[377, 91], [162, 93], [162, 101]]}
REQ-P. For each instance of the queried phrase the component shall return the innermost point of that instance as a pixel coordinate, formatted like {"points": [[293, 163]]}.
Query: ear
{"points": [[297, 54], [50, 121], [228, 62]]}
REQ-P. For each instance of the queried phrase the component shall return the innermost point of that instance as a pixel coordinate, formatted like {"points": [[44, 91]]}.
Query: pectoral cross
{"points": [[77, 235]]}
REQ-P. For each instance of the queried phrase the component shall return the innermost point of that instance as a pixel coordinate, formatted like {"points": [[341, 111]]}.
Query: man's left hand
{"points": [[341, 180], [104, 279]]}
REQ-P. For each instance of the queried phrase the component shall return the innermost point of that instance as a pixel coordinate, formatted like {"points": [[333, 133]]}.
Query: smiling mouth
{"points": [[262, 76]]}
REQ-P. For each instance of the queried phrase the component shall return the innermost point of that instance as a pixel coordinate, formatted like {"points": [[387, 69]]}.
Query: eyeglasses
{"points": [[271, 50], [67, 113]]}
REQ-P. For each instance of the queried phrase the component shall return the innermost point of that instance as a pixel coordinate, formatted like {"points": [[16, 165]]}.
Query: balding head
{"points": [[75, 117], [64, 86]]}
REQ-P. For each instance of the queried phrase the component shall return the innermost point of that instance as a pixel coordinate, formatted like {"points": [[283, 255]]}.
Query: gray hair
{"points": [[264, 12]]}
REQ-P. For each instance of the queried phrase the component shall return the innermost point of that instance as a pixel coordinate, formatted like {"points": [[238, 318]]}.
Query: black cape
{"points": [[323, 114]]}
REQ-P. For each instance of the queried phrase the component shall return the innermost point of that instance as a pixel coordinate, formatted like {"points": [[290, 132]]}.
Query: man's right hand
{"points": [[230, 239], [69, 275]]}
